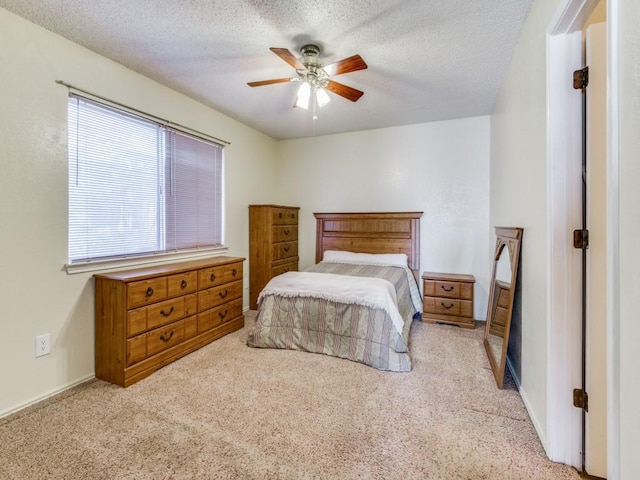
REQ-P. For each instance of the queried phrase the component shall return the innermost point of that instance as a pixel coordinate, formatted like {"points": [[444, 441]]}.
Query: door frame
{"points": [[564, 55]]}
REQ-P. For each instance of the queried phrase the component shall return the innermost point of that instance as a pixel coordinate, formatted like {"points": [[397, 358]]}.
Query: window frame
{"points": [[145, 259]]}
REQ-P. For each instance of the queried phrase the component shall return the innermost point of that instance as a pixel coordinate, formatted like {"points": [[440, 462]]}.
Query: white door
{"points": [[596, 181]]}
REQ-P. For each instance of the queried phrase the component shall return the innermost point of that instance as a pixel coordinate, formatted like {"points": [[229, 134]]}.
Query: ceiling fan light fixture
{"points": [[322, 97], [314, 77], [304, 94]]}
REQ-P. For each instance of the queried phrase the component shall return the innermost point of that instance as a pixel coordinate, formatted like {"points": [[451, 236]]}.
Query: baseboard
{"points": [[536, 424], [47, 396]]}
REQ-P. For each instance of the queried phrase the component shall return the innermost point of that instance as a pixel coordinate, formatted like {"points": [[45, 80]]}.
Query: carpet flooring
{"points": [[229, 411]]}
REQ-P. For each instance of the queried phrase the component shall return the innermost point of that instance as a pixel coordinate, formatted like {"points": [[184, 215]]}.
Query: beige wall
{"points": [[519, 196], [440, 168], [37, 296], [519, 193]]}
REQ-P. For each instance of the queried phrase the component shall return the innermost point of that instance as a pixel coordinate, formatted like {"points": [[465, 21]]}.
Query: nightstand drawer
{"points": [[447, 306], [462, 290]]}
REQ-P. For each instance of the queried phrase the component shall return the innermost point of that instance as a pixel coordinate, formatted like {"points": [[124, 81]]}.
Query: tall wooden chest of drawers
{"points": [[448, 298], [148, 317], [273, 245]]}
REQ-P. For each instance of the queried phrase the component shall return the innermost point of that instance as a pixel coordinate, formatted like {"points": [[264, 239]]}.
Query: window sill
{"points": [[99, 266]]}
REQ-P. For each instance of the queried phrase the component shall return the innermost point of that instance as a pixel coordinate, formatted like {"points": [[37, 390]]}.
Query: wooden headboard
{"points": [[389, 232]]}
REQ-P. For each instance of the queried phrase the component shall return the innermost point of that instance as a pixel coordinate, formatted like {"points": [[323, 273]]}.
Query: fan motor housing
{"points": [[310, 56]]}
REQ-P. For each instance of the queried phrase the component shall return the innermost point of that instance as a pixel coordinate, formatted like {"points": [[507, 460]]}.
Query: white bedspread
{"points": [[366, 291]]}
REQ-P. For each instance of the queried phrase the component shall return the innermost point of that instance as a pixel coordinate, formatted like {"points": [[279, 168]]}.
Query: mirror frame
{"points": [[509, 238]]}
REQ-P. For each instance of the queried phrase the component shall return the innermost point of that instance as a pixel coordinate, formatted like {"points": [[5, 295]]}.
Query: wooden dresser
{"points": [[149, 317], [273, 245], [448, 298]]}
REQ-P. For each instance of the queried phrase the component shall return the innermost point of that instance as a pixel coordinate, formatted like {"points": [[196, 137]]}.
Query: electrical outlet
{"points": [[43, 345]]}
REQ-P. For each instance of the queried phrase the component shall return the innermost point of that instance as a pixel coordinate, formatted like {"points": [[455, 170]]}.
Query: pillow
{"points": [[393, 259]]}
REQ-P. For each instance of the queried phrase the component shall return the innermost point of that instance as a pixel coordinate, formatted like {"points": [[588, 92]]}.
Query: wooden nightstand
{"points": [[448, 298]]}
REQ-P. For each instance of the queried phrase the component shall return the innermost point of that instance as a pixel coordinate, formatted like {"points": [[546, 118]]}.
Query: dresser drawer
{"points": [[165, 312], [212, 297], [136, 349], [182, 283], [284, 216], [136, 321], [215, 317], [284, 268], [146, 291], [190, 327], [162, 338], [284, 233], [154, 341], [161, 313], [213, 277], [447, 306], [285, 250]]}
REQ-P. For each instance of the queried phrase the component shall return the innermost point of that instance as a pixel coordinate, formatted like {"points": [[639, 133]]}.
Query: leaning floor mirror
{"points": [[501, 295]]}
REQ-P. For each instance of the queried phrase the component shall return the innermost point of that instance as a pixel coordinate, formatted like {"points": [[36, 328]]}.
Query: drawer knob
{"points": [[280, 215], [212, 277], [166, 314], [447, 306], [149, 291], [223, 294], [166, 339], [286, 249], [183, 284], [286, 232], [293, 215], [447, 289], [234, 272], [222, 315]]}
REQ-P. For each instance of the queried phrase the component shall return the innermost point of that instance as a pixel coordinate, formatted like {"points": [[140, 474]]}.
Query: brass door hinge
{"points": [[581, 239], [580, 399], [581, 78]]}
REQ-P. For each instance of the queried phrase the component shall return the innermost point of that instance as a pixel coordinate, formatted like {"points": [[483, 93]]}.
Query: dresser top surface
{"points": [[169, 268]]}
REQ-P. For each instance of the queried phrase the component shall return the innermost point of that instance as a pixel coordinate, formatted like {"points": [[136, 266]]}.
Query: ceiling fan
{"points": [[315, 76]]}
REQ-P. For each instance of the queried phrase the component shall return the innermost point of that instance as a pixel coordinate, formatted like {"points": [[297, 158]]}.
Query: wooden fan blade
{"points": [[268, 82], [288, 57], [347, 65], [344, 91]]}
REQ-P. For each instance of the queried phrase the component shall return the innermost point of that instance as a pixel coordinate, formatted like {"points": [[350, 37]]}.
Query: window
{"points": [[139, 188]]}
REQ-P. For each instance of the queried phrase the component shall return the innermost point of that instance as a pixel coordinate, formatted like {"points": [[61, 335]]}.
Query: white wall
{"points": [[36, 294], [439, 168], [627, 326]]}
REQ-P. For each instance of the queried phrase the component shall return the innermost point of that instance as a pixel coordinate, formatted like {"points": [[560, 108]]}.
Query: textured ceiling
{"points": [[428, 60]]}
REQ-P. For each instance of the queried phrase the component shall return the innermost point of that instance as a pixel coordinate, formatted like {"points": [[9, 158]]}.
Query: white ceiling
{"points": [[428, 60]]}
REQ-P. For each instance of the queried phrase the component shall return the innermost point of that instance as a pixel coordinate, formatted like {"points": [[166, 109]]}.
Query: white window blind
{"points": [[138, 188]]}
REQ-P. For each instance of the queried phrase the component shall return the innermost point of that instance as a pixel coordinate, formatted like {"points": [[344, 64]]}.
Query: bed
{"points": [[358, 301]]}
